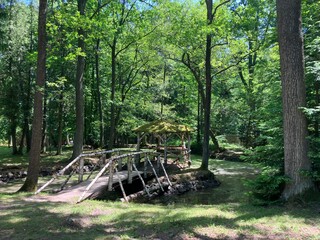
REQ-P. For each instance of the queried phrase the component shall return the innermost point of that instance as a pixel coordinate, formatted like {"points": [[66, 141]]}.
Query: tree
{"points": [[31, 182], [211, 12], [293, 96], [78, 136], [253, 20]]}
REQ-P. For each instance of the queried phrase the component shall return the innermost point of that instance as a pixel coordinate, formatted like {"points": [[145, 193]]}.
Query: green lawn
{"points": [[7, 160], [221, 213]]}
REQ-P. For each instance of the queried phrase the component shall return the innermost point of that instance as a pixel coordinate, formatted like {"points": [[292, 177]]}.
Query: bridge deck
{"points": [[73, 193]]}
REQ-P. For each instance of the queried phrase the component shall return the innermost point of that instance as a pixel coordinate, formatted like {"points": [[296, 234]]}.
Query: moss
{"points": [[162, 126]]}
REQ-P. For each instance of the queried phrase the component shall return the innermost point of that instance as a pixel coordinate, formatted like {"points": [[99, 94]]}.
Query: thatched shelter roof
{"points": [[162, 126]]}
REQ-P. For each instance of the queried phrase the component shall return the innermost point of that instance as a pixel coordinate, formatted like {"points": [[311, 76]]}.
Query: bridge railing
{"points": [[114, 164]]}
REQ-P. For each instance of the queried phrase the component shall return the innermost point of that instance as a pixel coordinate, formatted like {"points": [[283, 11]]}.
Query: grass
{"points": [[221, 213], [7, 160]]}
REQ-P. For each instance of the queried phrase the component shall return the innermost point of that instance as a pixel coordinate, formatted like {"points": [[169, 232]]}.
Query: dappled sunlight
{"points": [[104, 219], [235, 171], [219, 213]]}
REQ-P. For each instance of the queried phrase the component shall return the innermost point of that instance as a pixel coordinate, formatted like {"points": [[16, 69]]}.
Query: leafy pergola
{"points": [[164, 130]]}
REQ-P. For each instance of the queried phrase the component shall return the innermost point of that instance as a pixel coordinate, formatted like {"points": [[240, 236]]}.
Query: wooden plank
{"points": [[129, 165], [81, 165], [121, 186], [143, 183], [71, 194], [110, 180]]}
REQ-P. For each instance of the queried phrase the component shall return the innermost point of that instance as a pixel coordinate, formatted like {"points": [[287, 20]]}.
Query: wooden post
{"points": [[68, 178], [81, 165], [158, 163], [110, 182], [165, 150], [143, 183], [95, 179], [165, 172], [120, 164], [129, 169], [103, 158], [145, 168], [155, 173], [137, 157], [183, 148], [189, 148], [61, 172], [121, 186]]}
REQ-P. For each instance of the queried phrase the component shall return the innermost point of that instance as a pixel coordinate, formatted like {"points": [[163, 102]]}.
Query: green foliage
{"points": [[3, 130], [196, 148], [268, 186]]}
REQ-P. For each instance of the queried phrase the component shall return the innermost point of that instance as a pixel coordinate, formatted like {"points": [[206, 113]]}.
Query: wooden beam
{"points": [[145, 168], [110, 181], [95, 179], [155, 174], [121, 186], [165, 173], [143, 183], [165, 150], [129, 165], [81, 165]]}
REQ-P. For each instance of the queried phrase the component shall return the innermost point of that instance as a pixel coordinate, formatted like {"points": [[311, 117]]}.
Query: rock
{"points": [[73, 223], [86, 169], [45, 173], [10, 175]]}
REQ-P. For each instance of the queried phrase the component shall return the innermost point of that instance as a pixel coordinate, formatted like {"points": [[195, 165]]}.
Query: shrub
{"points": [[196, 148], [268, 186]]}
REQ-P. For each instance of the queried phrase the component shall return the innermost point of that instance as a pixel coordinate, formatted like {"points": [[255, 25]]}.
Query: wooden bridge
{"points": [[110, 171]]}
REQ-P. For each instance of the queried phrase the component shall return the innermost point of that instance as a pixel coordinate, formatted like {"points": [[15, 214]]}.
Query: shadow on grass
{"points": [[168, 225], [22, 219], [201, 216], [7, 160]]}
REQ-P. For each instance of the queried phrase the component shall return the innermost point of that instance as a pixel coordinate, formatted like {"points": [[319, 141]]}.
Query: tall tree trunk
{"points": [[112, 97], [207, 103], [21, 145], [163, 85], [31, 182], [198, 117], [101, 123], [293, 96], [60, 124], [44, 126], [27, 109], [78, 136], [13, 133], [317, 100]]}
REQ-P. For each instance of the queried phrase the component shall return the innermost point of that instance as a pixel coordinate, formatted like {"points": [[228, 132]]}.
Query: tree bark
{"points": [[112, 97], [30, 185], [44, 126], [60, 124], [101, 123], [293, 96], [317, 100], [13, 133], [78, 136], [207, 103]]}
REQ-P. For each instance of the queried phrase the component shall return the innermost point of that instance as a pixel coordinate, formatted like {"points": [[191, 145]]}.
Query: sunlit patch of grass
{"points": [[218, 213], [8, 160], [110, 219]]}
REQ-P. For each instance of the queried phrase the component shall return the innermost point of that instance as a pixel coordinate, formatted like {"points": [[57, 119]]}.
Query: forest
{"points": [[84, 74]]}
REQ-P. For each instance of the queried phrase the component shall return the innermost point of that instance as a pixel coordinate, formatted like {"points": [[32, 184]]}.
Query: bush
{"points": [[268, 186], [196, 148], [269, 155]]}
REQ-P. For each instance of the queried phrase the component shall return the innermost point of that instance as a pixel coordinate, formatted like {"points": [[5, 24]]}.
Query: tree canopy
{"points": [[112, 66]]}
